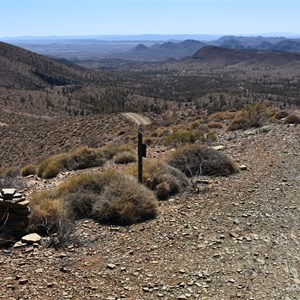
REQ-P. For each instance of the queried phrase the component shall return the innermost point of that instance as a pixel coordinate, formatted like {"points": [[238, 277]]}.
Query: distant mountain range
{"points": [[189, 47], [148, 47], [162, 51]]}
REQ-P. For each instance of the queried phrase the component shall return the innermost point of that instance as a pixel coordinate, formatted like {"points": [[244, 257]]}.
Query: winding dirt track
{"points": [[137, 118]]}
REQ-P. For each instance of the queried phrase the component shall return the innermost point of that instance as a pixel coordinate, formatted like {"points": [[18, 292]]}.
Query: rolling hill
{"points": [[20, 68], [220, 57]]}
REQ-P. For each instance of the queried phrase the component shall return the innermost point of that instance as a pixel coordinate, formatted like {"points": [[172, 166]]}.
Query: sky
{"points": [[123, 17]]}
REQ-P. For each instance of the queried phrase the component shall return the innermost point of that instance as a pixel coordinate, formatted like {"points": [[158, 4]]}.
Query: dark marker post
{"points": [[141, 154]]}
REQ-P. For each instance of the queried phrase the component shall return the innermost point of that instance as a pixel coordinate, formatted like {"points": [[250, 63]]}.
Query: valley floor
{"points": [[238, 238]]}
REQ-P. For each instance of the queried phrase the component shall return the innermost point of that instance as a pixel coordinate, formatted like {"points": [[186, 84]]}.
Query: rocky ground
{"points": [[238, 238]]}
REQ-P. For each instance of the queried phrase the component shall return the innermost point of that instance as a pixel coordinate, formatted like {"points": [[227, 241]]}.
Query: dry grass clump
{"points": [[280, 114], [28, 170], [183, 137], [125, 202], [51, 166], [292, 119], [48, 214], [125, 157], [112, 150], [163, 179], [82, 158], [107, 197], [196, 160], [214, 124], [252, 115], [196, 124], [222, 116]]}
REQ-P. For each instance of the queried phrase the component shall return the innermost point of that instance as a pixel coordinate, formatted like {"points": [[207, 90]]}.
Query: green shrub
{"points": [[196, 160]]}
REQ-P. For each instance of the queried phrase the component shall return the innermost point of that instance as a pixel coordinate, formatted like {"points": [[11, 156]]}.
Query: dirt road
{"points": [[137, 118]]}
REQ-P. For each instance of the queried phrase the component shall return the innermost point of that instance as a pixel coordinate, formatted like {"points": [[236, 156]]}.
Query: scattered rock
{"points": [[31, 238], [111, 266], [243, 167]]}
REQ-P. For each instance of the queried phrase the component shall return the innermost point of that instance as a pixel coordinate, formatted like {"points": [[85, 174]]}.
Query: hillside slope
{"points": [[237, 239], [20, 68], [220, 57]]}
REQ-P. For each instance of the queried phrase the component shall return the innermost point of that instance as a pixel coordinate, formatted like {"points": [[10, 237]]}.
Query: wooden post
{"points": [[140, 157]]}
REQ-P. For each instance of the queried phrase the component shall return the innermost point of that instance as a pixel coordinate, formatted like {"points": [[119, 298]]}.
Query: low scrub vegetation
{"points": [[125, 157], [82, 158], [252, 115], [292, 119], [107, 197], [196, 160], [28, 170], [162, 178]]}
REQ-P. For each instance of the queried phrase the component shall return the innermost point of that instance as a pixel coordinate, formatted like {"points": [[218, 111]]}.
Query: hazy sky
{"points": [[103, 17]]}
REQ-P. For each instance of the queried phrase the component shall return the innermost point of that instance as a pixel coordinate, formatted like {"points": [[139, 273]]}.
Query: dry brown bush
{"points": [[252, 115], [222, 116], [51, 166], [196, 160], [107, 197], [82, 158], [125, 202], [292, 119], [112, 149], [215, 124], [163, 179], [125, 157], [28, 170], [183, 137], [48, 214]]}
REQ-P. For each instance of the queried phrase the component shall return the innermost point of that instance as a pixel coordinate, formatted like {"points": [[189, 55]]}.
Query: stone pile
{"points": [[14, 212]]}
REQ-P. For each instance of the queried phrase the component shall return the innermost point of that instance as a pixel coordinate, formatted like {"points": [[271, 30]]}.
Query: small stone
{"points": [[234, 235], [19, 244], [236, 221], [39, 270], [218, 148], [31, 238], [23, 281], [181, 297], [243, 167], [111, 266], [29, 249]]}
